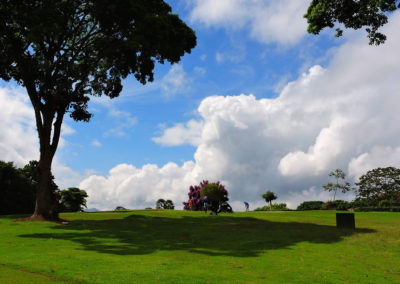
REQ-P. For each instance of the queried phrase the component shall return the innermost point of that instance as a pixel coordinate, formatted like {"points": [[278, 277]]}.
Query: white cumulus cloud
{"points": [[342, 116], [181, 134], [267, 21]]}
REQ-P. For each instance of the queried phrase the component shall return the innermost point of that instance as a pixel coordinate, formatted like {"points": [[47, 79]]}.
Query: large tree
{"points": [[63, 51], [380, 184], [354, 14]]}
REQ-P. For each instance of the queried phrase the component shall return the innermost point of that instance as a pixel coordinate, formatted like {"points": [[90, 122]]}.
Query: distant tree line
{"points": [[18, 187], [376, 190]]}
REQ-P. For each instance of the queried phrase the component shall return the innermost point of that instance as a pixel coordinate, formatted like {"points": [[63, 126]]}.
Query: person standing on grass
{"points": [[205, 200], [191, 204], [246, 206]]}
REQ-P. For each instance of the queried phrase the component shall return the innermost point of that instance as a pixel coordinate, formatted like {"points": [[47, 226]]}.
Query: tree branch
{"points": [[57, 130]]}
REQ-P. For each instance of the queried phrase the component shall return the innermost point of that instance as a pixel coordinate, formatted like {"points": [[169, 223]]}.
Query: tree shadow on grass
{"points": [[222, 235]]}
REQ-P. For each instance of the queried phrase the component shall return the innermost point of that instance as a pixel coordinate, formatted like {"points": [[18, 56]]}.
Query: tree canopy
{"points": [[353, 14], [73, 199], [380, 184], [63, 51]]}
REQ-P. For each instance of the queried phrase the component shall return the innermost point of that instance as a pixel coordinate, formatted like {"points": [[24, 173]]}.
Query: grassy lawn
{"points": [[191, 247]]}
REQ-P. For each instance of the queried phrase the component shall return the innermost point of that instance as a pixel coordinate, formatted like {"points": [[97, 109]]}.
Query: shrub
{"points": [[310, 205], [378, 209], [357, 203], [384, 203], [275, 207], [336, 205]]}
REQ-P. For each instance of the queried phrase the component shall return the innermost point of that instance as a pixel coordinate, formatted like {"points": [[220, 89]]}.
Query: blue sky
{"points": [[245, 66], [259, 104]]}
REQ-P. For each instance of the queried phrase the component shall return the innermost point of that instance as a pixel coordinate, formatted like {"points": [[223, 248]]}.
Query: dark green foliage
{"points": [[310, 205], [212, 192], [380, 184], [269, 196], [353, 14], [160, 203], [275, 207], [120, 208], [64, 51], [169, 204], [384, 203], [73, 199], [336, 205], [17, 191], [377, 209], [338, 174], [18, 187], [164, 204]]}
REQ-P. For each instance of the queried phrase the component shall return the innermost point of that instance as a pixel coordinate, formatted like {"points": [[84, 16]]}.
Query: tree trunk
{"points": [[47, 202], [46, 207], [270, 206]]}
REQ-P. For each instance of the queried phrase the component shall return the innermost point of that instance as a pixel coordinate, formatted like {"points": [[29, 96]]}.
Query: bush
{"points": [[275, 207], [336, 205], [378, 209], [384, 203], [310, 205], [358, 203]]}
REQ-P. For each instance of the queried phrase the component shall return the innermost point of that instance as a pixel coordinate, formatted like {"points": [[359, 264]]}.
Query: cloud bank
{"points": [[342, 116]]}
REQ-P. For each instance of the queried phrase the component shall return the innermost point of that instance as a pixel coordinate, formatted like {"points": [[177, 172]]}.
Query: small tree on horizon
{"points": [[73, 199], [169, 204], [338, 174], [269, 196], [164, 204]]}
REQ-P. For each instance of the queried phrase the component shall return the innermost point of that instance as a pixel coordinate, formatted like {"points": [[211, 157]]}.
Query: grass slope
{"points": [[191, 247]]}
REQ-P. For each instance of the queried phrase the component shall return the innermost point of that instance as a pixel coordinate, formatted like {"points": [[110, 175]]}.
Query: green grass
{"points": [[191, 247]]}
